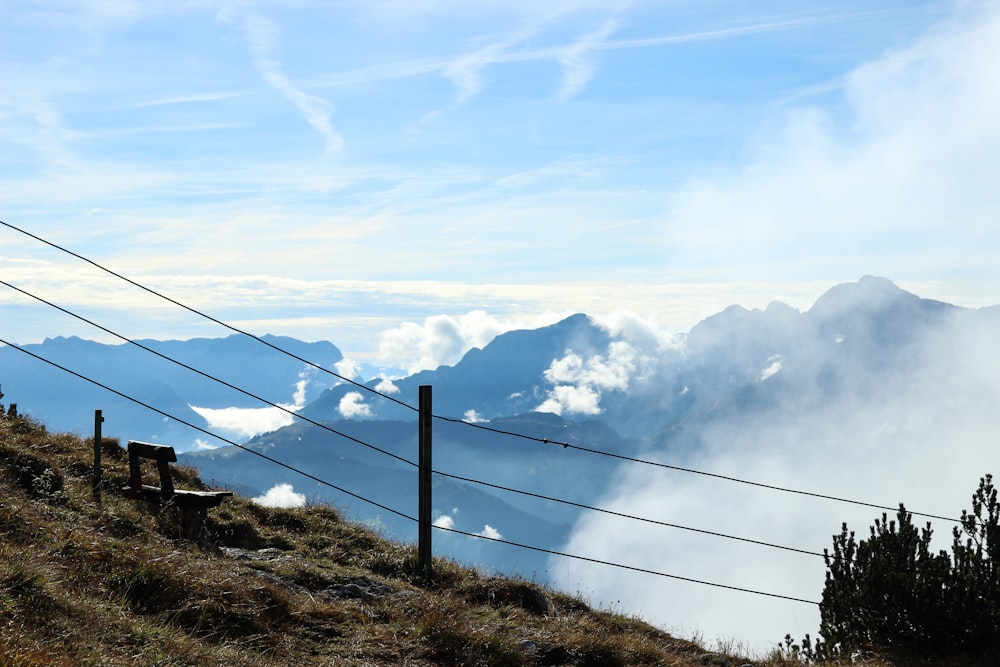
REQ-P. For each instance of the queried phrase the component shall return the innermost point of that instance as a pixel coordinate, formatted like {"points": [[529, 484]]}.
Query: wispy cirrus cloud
{"points": [[190, 98], [577, 66], [35, 125], [747, 29], [466, 70], [261, 35]]}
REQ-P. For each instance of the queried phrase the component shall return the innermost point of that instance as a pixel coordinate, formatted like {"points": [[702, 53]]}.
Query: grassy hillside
{"points": [[113, 584]]}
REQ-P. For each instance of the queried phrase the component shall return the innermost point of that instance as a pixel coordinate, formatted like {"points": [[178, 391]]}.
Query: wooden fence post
{"points": [[98, 420], [424, 510]]}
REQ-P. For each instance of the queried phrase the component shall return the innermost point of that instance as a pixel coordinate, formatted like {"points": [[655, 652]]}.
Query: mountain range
{"points": [[66, 402], [623, 394]]}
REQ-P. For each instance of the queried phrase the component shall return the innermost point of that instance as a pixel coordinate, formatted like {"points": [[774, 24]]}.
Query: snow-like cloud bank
{"points": [[245, 422], [281, 495]]}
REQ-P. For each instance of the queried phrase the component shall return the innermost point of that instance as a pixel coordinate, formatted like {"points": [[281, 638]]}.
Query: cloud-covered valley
{"points": [[843, 416]]}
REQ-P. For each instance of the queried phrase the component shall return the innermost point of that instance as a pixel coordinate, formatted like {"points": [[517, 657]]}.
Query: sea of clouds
{"points": [[923, 437]]}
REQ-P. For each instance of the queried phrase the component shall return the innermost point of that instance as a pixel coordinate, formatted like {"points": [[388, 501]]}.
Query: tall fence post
{"points": [[98, 420], [424, 513]]}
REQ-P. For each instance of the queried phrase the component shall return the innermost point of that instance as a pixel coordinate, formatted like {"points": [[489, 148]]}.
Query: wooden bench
{"points": [[193, 504]]}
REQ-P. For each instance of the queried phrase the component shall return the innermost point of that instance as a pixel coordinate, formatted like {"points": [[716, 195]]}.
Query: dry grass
{"points": [[82, 584]]}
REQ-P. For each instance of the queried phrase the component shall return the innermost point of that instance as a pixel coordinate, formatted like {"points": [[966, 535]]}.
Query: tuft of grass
{"points": [[33, 474], [499, 591], [446, 639], [26, 588]]}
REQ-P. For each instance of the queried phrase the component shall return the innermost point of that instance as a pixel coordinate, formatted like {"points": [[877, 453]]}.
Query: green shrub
{"points": [[891, 595]]}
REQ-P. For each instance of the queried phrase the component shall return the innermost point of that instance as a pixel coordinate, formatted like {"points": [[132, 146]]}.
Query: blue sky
{"points": [[407, 179]]}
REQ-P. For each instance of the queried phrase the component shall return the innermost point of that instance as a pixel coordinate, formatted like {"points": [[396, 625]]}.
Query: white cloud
{"points": [[645, 336], [299, 397], [281, 495], [771, 368], [611, 372], [352, 404], [444, 521], [386, 386], [436, 342], [569, 399], [347, 368], [440, 340], [490, 532], [579, 382], [473, 417], [566, 369]]}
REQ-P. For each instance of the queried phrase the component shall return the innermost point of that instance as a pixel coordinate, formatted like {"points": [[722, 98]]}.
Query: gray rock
{"points": [[360, 588]]}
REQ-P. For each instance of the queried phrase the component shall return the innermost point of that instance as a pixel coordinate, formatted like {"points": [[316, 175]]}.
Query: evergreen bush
{"points": [[890, 595]]}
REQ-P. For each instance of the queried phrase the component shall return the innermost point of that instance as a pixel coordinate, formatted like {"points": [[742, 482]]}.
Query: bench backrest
{"points": [[162, 454]]}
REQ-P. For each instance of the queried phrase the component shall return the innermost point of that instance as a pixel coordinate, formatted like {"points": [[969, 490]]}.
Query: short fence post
{"points": [[98, 420], [424, 510]]}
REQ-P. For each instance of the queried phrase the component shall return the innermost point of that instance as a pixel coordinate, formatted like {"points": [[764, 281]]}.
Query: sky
{"points": [[410, 179], [407, 180]]}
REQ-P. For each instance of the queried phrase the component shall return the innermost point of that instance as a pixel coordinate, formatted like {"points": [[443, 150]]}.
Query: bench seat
{"points": [[182, 497], [193, 504]]}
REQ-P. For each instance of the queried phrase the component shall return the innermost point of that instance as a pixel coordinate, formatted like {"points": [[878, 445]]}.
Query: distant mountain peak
{"points": [[876, 310], [780, 308], [870, 293]]}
